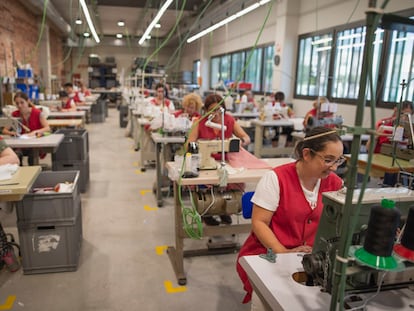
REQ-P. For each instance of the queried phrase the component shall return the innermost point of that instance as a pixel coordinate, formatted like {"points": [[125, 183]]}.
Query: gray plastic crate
{"points": [[75, 145], [81, 166], [123, 116], [49, 247], [56, 206], [98, 111]]}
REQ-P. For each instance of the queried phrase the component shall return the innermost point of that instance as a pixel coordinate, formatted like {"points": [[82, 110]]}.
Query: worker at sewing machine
{"points": [[67, 103], [191, 104], [282, 111], [212, 105], [385, 126], [287, 203], [321, 110], [33, 123], [160, 100]]}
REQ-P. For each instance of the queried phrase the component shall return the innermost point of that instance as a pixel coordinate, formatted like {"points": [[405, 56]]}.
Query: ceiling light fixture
{"points": [[119, 35], [157, 25], [121, 23], [89, 20], [86, 34], [228, 20], [78, 21], [155, 21]]}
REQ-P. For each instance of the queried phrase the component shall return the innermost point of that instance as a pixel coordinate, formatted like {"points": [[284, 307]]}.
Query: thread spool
{"points": [[406, 248], [379, 241]]}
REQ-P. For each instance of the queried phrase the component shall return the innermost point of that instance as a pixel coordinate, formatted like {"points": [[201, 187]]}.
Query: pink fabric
{"points": [[245, 159]]}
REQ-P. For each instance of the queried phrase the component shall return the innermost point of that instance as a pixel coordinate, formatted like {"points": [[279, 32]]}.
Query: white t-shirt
{"points": [[267, 192]]}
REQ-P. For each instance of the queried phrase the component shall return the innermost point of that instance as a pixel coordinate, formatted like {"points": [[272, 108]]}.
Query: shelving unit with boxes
{"points": [[102, 75]]}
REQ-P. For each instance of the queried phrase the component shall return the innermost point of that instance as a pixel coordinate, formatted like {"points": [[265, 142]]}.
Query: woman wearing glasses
{"points": [[287, 203]]}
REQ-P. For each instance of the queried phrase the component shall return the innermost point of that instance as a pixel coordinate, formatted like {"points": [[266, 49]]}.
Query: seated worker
{"points": [[248, 102], [287, 203], [192, 104], [385, 134], [201, 130], [68, 104], [34, 121], [7, 256], [279, 97], [160, 100], [75, 95], [83, 89], [316, 112]]}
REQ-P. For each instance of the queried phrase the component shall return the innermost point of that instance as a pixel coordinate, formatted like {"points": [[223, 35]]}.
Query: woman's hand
{"points": [[301, 249]]}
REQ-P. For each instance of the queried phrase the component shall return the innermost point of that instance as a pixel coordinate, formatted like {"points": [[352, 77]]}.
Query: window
{"points": [[237, 64], [349, 54], [196, 72], [337, 53], [313, 65], [232, 67], [269, 53], [254, 70], [400, 67]]}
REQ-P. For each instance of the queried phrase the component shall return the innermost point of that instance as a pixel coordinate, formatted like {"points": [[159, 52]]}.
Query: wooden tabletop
{"points": [[15, 188], [382, 164]]}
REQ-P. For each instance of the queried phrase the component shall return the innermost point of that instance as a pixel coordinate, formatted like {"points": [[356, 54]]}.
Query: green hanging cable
{"points": [[42, 27], [190, 228], [177, 51], [168, 36]]}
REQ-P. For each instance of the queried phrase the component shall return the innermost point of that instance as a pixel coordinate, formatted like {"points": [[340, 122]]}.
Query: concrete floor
{"points": [[119, 267]]}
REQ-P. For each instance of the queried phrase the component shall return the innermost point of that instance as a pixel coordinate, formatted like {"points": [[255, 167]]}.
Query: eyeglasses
{"points": [[330, 162]]}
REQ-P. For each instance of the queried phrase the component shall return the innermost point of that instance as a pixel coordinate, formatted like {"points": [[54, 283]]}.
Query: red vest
{"points": [[167, 102], [205, 132], [33, 122], [294, 223], [67, 104]]}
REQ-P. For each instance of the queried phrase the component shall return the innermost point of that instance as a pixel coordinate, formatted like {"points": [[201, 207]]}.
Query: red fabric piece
{"points": [[245, 159]]}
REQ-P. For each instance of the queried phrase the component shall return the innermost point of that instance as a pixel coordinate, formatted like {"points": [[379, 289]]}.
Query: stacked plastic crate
{"points": [[73, 154], [50, 224], [98, 110]]}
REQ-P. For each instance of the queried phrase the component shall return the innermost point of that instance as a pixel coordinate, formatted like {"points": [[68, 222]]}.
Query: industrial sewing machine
{"points": [[208, 147], [13, 123], [401, 147], [360, 278]]}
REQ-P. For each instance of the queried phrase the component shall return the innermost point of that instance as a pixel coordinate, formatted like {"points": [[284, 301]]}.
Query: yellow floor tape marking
{"points": [[144, 192], [172, 290], [161, 249], [9, 303], [138, 172], [149, 208], [135, 164]]}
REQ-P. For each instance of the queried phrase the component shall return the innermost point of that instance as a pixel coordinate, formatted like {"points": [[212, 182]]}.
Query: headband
{"points": [[319, 135]]}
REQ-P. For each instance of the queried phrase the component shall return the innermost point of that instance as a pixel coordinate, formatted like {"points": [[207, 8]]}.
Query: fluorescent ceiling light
{"points": [[89, 20], [121, 23], [155, 21], [228, 20], [119, 35]]}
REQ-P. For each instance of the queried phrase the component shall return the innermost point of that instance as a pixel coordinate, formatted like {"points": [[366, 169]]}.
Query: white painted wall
{"points": [[310, 15]]}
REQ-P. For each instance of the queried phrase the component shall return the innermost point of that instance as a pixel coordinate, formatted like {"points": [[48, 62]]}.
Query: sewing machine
{"points": [[14, 123], [402, 147], [325, 122], [208, 147], [319, 265]]}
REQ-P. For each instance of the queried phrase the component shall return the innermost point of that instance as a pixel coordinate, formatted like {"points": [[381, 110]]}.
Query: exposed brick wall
{"points": [[19, 30]]}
